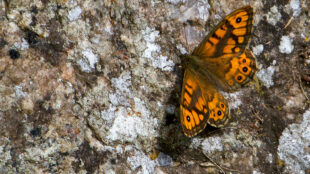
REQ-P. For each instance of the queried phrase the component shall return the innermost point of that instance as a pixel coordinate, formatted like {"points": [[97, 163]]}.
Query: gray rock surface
{"points": [[94, 87]]}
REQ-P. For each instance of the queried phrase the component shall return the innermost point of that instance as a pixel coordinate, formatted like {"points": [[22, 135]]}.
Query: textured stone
{"points": [[94, 87]]}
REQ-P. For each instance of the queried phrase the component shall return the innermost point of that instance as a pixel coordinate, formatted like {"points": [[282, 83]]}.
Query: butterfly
{"points": [[221, 62]]}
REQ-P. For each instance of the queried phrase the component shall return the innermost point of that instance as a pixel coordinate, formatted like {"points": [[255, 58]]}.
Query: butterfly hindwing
{"points": [[200, 106], [241, 71], [228, 73]]}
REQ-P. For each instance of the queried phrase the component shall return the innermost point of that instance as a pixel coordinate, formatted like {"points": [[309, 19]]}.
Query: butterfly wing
{"points": [[241, 71], [201, 103], [230, 36], [223, 55]]}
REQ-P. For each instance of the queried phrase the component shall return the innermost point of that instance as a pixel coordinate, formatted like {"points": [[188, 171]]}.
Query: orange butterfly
{"points": [[222, 61]]}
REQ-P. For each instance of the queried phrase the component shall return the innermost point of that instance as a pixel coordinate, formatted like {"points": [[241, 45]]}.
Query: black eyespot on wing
{"points": [[245, 69], [238, 20], [222, 105], [188, 118]]}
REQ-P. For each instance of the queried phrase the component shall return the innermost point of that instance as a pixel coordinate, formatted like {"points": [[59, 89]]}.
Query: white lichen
{"points": [[176, 1], [124, 127], [141, 108], [74, 13], [293, 145], [273, 15], [146, 164], [196, 142], [127, 115], [286, 46], [128, 127], [88, 61], [258, 49], [295, 5], [19, 92], [211, 145], [164, 159], [123, 82], [181, 49], [109, 115], [234, 99], [266, 75], [23, 45], [152, 49]]}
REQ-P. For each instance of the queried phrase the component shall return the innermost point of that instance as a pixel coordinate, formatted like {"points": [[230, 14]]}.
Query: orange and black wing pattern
{"points": [[230, 36], [201, 103]]}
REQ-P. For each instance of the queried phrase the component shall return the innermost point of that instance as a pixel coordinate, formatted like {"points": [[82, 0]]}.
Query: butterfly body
{"points": [[221, 62]]}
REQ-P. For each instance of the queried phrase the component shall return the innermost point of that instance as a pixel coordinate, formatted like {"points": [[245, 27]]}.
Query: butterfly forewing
{"points": [[194, 111], [230, 37]]}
